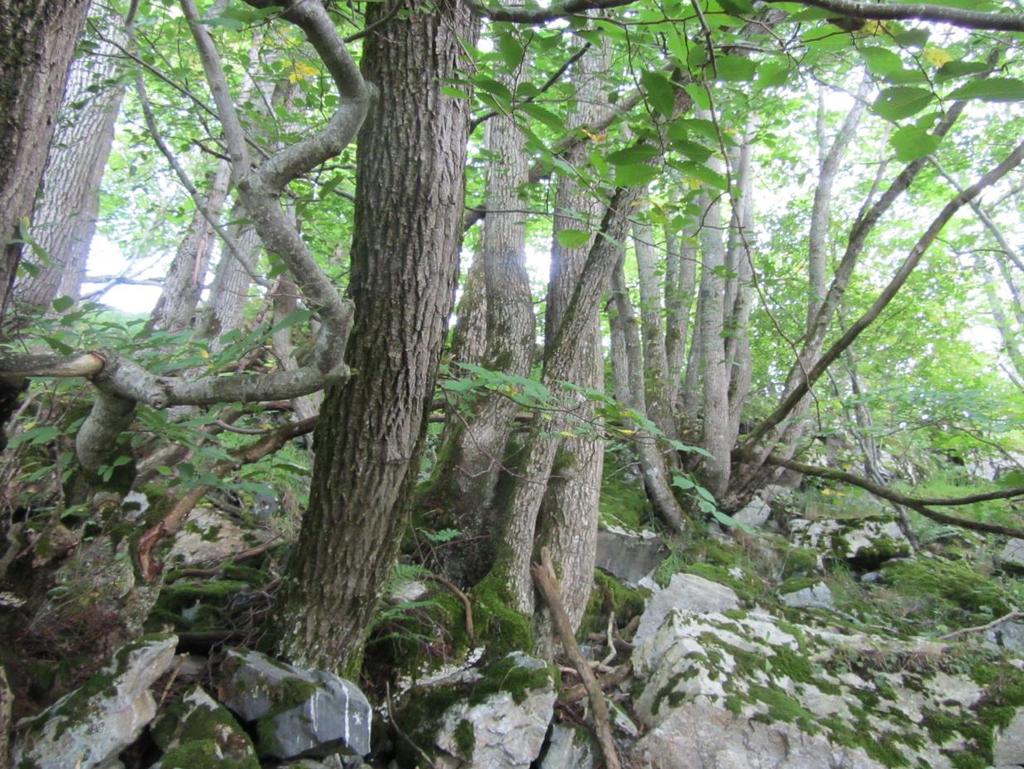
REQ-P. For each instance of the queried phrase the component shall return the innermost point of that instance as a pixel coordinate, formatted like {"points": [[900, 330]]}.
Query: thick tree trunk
{"points": [[476, 448], [37, 40], [65, 214], [526, 528], [229, 291], [408, 227], [569, 512], [741, 234]]}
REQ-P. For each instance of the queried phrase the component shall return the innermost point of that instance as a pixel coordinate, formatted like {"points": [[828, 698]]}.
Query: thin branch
{"points": [[548, 84], [913, 258], [547, 584], [958, 17], [918, 505], [1013, 615], [542, 15]]}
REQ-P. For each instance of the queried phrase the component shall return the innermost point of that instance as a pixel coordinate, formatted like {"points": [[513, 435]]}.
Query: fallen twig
{"points": [[982, 628], [466, 603], [547, 583]]}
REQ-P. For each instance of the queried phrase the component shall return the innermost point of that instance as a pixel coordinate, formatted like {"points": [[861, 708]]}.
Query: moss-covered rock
{"points": [[198, 733]]}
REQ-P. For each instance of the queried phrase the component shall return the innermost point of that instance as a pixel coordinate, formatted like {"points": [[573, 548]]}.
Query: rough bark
{"points": [[408, 225], [184, 282], [655, 355], [469, 340], [476, 449], [524, 528], [65, 213], [569, 513], [739, 257], [37, 40]]}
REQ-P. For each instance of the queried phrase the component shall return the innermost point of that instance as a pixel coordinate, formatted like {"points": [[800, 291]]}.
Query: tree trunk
{"points": [[714, 376], [476, 449], [37, 40], [184, 283], [680, 283], [65, 213], [655, 357], [408, 227], [469, 340], [741, 233], [656, 473], [568, 517]]}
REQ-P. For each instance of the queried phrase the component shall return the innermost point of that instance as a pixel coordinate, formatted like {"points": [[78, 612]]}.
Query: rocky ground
{"points": [[791, 641]]}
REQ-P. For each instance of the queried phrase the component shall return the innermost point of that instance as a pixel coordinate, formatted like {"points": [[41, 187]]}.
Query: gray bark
{"points": [[408, 225], [714, 376], [656, 474], [38, 39], [655, 355], [65, 213]]}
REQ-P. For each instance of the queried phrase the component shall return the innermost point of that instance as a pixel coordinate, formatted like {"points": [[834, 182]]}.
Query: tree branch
{"points": [[917, 504], [806, 380], [958, 17], [542, 15], [547, 583]]}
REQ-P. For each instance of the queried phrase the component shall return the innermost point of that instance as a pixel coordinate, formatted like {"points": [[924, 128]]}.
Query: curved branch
{"points": [[542, 15], [914, 503], [958, 17], [806, 380]]}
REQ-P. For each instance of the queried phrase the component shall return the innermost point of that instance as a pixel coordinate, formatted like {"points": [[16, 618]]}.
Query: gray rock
{"points": [[209, 535], [817, 596], [1009, 747], [198, 726], [687, 593], [296, 711], [568, 748], [865, 543], [755, 513], [504, 731], [746, 690], [629, 555], [94, 723], [1008, 635], [1011, 557], [703, 735]]}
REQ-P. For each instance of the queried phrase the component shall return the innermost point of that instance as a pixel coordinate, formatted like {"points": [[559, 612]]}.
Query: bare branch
{"points": [[542, 15], [806, 380], [958, 17], [916, 504]]}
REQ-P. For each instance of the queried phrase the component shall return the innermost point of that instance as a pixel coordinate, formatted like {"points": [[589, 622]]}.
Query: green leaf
{"points": [[705, 174], [912, 142], [511, 50], [635, 175], [699, 95], [731, 523], [633, 155], [681, 128], [901, 101], [954, 69], [545, 116], [572, 238], [62, 303], [682, 482], [660, 92], [992, 89], [881, 61], [737, 7], [734, 69], [772, 74], [696, 152]]}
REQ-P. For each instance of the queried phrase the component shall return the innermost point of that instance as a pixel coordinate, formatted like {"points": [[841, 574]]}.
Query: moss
{"points": [[498, 625], [783, 707], [607, 596], [794, 584], [197, 733], [799, 561], [465, 738], [507, 675], [622, 503]]}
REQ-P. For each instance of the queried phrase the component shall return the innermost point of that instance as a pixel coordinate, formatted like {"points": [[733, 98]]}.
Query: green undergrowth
{"points": [[609, 596]]}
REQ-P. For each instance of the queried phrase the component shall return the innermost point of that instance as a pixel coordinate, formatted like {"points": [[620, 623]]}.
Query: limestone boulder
{"points": [[91, 725]]}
